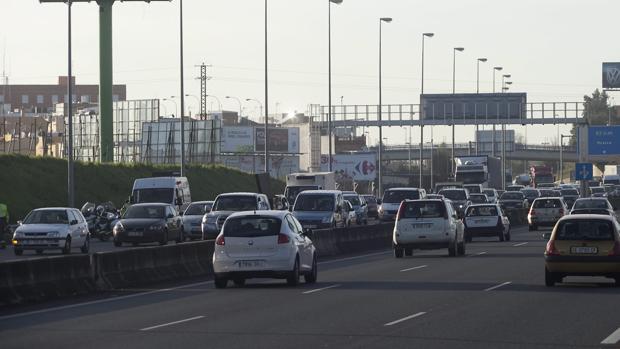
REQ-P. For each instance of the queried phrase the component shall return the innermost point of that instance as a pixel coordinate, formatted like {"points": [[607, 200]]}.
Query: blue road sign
{"points": [[604, 140], [583, 171]]}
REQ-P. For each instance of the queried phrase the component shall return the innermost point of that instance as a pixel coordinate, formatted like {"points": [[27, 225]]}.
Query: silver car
{"points": [[546, 212], [263, 244], [56, 228], [192, 219], [594, 205]]}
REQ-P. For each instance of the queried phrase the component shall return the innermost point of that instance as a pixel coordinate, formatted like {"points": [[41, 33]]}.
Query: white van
{"points": [[165, 190]]}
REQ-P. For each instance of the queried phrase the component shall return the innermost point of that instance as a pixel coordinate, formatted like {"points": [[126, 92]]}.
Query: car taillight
{"points": [[616, 250], [551, 250], [401, 210], [220, 240], [283, 239]]}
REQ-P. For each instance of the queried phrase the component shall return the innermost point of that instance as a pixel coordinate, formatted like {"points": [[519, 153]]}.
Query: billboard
{"points": [[281, 140], [359, 167], [604, 140], [237, 139], [472, 106], [611, 75]]}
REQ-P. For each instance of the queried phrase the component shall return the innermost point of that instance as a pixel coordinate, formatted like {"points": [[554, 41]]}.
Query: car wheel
{"points": [[164, 240], [220, 282], [18, 252], [239, 282], [293, 278], [39, 252], [501, 235], [550, 278], [408, 252], [452, 249], [461, 248], [311, 277], [508, 235], [179, 238], [117, 243], [67, 248], [398, 252], [86, 247]]}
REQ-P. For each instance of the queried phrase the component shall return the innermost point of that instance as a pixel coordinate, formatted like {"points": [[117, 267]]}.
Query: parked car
{"points": [[583, 245], [478, 198], [549, 193], [145, 223], [515, 187], [54, 228], [546, 212], [486, 220], [427, 225], [360, 209], [372, 205], [263, 244], [593, 205], [192, 219], [513, 200], [393, 197], [530, 194], [225, 205], [320, 209], [459, 197], [570, 195], [492, 194]]}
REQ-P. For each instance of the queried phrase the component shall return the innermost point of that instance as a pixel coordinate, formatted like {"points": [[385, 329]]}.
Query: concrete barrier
{"points": [[44, 278], [135, 267], [353, 239]]}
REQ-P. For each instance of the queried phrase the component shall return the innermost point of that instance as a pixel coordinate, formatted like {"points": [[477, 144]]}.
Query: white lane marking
{"points": [[414, 268], [172, 323], [614, 338], [405, 319], [521, 244], [112, 299], [477, 254], [321, 289], [354, 258], [498, 286]]}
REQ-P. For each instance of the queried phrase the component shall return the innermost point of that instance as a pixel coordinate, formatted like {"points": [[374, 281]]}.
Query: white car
{"points": [[54, 228], [427, 225], [351, 215], [263, 244], [192, 219], [486, 220]]}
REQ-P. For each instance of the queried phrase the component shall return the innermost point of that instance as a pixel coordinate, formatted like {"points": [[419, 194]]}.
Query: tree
{"points": [[597, 111]]}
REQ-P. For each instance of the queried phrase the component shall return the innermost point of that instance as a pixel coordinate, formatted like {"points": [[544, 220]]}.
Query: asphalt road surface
{"points": [[494, 297]]}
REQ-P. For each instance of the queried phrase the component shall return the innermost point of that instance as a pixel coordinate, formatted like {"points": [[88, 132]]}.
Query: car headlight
{"points": [[380, 209], [53, 234], [157, 227], [461, 206], [118, 227], [18, 234], [326, 220]]}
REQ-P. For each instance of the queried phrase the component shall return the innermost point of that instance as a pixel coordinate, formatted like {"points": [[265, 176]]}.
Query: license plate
{"points": [[478, 221], [135, 233], [310, 226], [250, 264], [38, 242], [421, 225], [584, 250]]}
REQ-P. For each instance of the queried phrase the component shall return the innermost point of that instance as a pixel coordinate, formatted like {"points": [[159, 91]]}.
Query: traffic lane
{"points": [[270, 291]]}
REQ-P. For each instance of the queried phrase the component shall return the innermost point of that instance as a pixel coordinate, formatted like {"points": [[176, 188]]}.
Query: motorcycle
{"points": [[101, 219]]}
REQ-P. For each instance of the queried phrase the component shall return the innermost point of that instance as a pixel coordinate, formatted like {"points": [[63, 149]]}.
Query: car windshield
{"points": [[145, 212], [292, 192], [547, 203], [530, 193], [476, 211], [490, 193], [478, 198], [315, 202], [198, 209], [591, 204], [47, 217], [454, 194], [571, 192], [353, 199], [235, 203], [160, 195], [472, 188], [512, 196], [550, 193], [397, 196], [252, 227], [585, 229], [423, 209]]}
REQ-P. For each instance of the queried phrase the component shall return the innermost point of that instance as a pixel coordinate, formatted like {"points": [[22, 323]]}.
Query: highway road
{"points": [[494, 297]]}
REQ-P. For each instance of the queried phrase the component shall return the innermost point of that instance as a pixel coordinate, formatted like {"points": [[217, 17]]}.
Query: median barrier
{"points": [[353, 239], [140, 266], [44, 278]]}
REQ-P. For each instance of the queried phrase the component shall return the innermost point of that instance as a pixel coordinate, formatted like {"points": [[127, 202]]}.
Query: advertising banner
{"points": [[237, 139], [359, 167], [611, 75], [281, 140]]}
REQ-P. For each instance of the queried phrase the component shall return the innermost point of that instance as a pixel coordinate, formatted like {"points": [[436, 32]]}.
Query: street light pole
{"points": [[266, 99], [238, 101], [459, 49], [380, 165], [562, 157], [259, 104], [70, 165], [182, 96], [219, 103], [329, 78], [495, 69], [424, 35], [477, 92]]}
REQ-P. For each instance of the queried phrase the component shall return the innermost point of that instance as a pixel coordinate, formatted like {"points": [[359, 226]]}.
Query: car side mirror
{"points": [[74, 222], [20, 222], [546, 236]]}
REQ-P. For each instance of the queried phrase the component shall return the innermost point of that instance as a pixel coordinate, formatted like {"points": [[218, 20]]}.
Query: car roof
{"points": [[403, 188], [201, 202], [239, 194], [588, 216], [54, 208], [151, 204], [310, 192], [264, 213]]}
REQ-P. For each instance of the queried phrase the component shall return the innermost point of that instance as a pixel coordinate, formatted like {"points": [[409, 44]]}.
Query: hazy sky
{"points": [[552, 48]]}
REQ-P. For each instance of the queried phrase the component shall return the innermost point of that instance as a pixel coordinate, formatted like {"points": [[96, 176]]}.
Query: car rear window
{"points": [[252, 227], [478, 198], [531, 193], [454, 194], [424, 209], [235, 203], [512, 196], [490, 193], [397, 196], [476, 211], [550, 203], [591, 204], [569, 192], [585, 229], [590, 211]]}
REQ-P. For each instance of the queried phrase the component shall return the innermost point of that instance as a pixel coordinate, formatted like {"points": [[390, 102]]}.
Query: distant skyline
{"points": [[553, 49]]}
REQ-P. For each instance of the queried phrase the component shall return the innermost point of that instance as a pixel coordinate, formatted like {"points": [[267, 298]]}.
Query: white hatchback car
{"points": [[56, 228], [486, 220], [427, 225], [263, 244]]}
